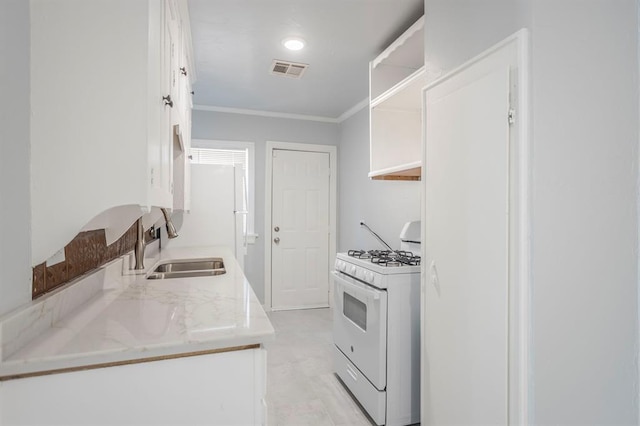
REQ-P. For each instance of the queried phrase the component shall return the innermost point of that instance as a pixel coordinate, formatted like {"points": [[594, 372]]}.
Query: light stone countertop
{"points": [[131, 318]]}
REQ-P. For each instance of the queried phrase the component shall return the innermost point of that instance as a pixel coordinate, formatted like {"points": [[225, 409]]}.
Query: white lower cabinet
{"points": [[226, 388]]}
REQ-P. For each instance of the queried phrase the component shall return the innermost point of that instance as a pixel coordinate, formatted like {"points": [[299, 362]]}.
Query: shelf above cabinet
{"points": [[398, 61], [406, 95], [409, 171], [402, 50], [396, 79]]}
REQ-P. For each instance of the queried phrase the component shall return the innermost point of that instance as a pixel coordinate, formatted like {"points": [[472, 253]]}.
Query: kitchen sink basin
{"points": [[188, 269], [190, 265], [185, 274]]}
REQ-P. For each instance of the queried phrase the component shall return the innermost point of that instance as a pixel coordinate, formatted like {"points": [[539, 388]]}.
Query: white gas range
{"points": [[376, 328]]}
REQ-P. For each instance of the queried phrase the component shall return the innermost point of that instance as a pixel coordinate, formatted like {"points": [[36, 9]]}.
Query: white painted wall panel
{"points": [[585, 94]]}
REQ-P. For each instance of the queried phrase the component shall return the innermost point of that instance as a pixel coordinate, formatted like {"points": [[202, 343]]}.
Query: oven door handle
{"points": [[357, 287]]}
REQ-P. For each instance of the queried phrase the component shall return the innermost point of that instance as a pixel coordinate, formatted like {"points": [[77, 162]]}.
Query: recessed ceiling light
{"points": [[293, 43]]}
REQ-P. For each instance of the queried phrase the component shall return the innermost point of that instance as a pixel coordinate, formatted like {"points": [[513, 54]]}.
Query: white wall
{"points": [[585, 173], [383, 205], [456, 31], [258, 129], [585, 86], [15, 236]]}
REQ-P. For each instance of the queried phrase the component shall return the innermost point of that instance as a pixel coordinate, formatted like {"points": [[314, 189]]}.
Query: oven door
{"points": [[360, 326]]}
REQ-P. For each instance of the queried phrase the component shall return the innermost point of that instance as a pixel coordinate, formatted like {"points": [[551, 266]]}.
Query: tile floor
{"points": [[301, 386]]}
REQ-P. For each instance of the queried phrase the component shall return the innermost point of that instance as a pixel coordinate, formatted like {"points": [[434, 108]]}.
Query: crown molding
{"points": [[345, 115], [353, 110], [260, 113]]}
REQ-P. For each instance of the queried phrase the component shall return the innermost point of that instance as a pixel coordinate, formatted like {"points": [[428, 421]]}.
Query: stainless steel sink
{"points": [[184, 274], [190, 265], [188, 269]]}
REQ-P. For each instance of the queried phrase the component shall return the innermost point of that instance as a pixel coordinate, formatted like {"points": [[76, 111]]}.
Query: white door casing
{"points": [[475, 241], [300, 229], [300, 199]]}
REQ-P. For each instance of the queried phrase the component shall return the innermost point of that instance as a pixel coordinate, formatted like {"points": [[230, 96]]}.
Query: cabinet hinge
{"points": [[511, 117]]}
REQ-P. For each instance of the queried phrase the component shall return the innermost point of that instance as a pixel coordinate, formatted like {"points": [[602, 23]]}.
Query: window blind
{"points": [[224, 157]]}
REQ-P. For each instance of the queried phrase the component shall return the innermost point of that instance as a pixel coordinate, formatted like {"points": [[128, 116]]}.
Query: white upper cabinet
{"points": [[184, 77], [101, 111], [396, 78]]}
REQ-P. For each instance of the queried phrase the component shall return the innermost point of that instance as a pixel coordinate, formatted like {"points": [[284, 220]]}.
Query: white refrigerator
{"points": [[218, 210]]}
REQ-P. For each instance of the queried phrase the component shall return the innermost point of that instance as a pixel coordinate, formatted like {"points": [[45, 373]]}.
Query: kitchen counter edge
{"points": [[19, 365]]}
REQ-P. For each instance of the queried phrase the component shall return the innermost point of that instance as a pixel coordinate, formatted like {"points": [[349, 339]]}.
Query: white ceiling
{"points": [[236, 41]]}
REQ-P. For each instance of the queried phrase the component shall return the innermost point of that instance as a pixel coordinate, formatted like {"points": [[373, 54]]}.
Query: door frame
{"points": [[333, 162], [513, 51]]}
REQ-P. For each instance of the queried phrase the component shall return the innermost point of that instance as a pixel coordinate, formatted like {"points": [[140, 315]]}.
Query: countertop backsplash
{"points": [[86, 252], [23, 325]]}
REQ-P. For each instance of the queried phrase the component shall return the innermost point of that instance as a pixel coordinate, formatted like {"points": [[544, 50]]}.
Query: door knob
{"points": [[276, 240], [277, 228]]}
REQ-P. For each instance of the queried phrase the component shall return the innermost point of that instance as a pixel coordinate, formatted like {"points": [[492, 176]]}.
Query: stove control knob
{"points": [[352, 271], [359, 274], [368, 277]]}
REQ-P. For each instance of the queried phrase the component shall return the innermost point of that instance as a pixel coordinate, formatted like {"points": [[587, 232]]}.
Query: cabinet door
{"points": [[161, 147], [184, 78], [218, 389], [182, 122], [186, 189], [466, 223]]}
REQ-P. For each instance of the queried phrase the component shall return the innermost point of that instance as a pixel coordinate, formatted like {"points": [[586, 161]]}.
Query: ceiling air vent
{"points": [[288, 69]]}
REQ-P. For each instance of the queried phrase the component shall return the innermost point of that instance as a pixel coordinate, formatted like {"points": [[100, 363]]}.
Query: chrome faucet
{"points": [[140, 243], [171, 230], [139, 247]]}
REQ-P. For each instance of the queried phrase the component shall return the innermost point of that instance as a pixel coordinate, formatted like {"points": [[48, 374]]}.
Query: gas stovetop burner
{"points": [[359, 254], [387, 257], [385, 261]]}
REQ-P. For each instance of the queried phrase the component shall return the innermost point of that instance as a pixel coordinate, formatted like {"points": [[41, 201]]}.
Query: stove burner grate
{"points": [[359, 254], [385, 261], [387, 257]]}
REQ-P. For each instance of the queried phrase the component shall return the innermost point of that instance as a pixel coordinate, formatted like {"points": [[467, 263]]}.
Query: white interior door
{"points": [[299, 229], [466, 249]]}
